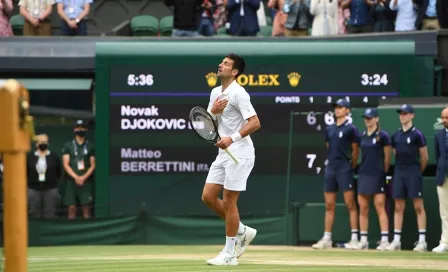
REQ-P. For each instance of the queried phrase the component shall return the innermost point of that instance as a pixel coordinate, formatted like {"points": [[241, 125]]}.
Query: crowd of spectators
{"points": [[244, 17]]}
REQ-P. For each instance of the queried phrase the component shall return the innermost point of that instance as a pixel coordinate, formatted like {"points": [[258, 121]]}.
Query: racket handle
{"points": [[231, 155]]}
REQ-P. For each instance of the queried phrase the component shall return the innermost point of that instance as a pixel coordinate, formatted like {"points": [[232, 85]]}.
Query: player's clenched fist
{"points": [[224, 142], [218, 106]]}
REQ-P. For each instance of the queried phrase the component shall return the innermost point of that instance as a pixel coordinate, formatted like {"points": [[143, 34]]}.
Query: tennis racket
{"points": [[205, 127]]}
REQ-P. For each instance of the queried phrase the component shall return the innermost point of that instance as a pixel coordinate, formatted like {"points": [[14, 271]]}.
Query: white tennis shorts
{"points": [[232, 176]]}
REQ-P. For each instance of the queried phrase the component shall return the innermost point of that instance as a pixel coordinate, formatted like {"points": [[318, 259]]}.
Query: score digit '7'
{"points": [[311, 159]]}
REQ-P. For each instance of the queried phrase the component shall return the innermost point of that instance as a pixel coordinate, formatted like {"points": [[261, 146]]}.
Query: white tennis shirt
{"points": [[234, 117]]}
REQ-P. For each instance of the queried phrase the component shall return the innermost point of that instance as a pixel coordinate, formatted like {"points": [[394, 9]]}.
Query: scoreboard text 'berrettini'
{"points": [[145, 91]]}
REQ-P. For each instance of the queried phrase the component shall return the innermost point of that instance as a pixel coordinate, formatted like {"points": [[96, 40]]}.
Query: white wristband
{"points": [[236, 137]]}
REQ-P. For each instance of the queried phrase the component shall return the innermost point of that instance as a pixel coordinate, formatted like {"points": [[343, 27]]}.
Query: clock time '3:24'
{"points": [[374, 80]]}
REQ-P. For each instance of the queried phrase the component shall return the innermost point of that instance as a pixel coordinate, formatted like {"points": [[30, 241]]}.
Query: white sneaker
{"points": [[395, 245], [361, 246], [352, 244], [244, 240], [383, 246], [421, 246], [440, 248], [323, 244], [223, 258]]}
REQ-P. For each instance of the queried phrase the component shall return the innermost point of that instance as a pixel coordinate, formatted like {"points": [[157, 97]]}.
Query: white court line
{"points": [[326, 263], [226, 268], [100, 263], [112, 258], [115, 267], [250, 261]]}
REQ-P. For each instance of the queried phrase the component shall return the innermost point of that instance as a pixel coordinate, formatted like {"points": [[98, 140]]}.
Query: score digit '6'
{"points": [[311, 118], [329, 118]]}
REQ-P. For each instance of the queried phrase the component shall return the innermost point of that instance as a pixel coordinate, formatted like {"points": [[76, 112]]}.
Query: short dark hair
{"points": [[238, 63]]}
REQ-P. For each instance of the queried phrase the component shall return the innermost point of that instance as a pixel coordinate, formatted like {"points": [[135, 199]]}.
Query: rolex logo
{"points": [[212, 79], [438, 124], [294, 79]]}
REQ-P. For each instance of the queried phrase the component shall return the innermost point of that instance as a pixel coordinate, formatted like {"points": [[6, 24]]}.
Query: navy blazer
{"points": [[441, 156], [250, 18]]}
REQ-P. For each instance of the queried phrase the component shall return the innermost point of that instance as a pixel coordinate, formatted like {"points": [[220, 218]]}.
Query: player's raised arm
{"points": [[248, 112], [210, 105], [216, 105], [253, 124]]}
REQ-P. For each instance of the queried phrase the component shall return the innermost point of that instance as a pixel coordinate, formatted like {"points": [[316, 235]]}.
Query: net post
{"points": [[14, 144]]}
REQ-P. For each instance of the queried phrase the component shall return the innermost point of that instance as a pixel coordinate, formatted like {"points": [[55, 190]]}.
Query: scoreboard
{"points": [[145, 91]]}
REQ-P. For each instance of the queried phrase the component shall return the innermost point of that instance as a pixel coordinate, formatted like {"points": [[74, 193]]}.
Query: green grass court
{"points": [[256, 258]]}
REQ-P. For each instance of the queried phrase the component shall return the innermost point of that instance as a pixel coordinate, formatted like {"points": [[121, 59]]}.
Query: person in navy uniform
{"points": [[411, 157], [375, 162], [342, 140], [441, 148]]}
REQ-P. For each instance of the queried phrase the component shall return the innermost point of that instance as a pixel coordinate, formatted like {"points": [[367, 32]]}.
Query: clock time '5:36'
{"points": [[140, 80]]}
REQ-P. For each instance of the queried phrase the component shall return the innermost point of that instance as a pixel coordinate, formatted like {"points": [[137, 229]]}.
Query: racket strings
{"points": [[203, 125]]}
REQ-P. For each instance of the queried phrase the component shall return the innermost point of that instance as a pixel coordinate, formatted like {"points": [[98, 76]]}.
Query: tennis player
{"points": [[342, 141], [230, 106], [411, 158], [375, 162]]}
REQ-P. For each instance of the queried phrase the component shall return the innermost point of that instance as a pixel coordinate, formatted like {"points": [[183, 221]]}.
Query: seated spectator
{"points": [[278, 24], [43, 172], [360, 18], [5, 13], [73, 15], [299, 17], [206, 27], [325, 21], [383, 16], [427, 15], [242, 17], [187, 15], [406, 14], [37, 17], [343, 17]]}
